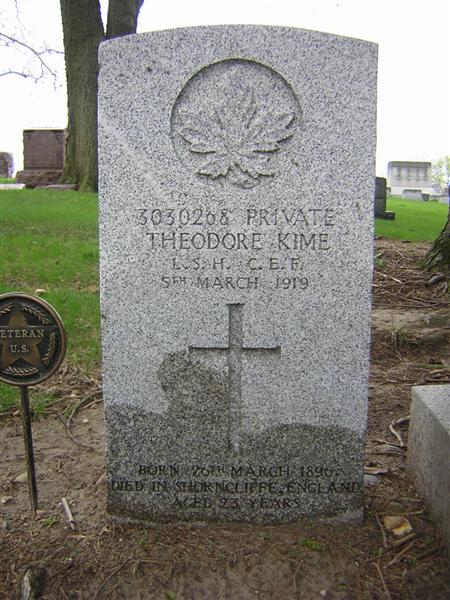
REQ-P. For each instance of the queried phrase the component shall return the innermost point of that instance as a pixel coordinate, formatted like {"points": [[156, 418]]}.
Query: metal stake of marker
{"points": [[32, 347], [28, 441]]}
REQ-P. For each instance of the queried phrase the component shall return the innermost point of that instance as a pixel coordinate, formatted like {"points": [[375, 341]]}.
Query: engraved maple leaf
{"points": [[238, 138]]}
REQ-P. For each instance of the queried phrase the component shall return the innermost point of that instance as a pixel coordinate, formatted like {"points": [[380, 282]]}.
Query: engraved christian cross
{"points": [[235, 351]]}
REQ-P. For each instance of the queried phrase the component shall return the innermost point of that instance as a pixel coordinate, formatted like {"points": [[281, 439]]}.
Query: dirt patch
{"points": [[398, 283], [305, 560]]}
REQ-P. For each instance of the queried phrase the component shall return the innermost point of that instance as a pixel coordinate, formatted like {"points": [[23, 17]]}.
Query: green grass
{"points": [[414, 221], [49, 241], [311, 544], [6, 180]]}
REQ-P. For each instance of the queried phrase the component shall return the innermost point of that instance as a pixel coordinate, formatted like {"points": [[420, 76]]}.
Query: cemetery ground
{"points": [[49, 248]]}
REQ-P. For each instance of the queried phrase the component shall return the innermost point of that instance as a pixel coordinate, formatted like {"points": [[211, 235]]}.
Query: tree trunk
{"points": [[438, 256], [83, 31], [122, 17]]}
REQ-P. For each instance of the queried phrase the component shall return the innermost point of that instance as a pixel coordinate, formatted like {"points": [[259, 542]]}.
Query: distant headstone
{"points": [[380, 200], [6, 165], [410, 194], [43, 157], [236, 176]]}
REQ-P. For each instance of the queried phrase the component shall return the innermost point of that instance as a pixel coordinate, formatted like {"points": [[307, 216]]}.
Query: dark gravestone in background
{"points": [[380, 195], [380, 200], [43, 149], [43, 157], [6, 164]]}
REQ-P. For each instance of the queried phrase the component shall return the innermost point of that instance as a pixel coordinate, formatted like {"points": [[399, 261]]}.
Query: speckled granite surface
{"points": [[236, 191]]}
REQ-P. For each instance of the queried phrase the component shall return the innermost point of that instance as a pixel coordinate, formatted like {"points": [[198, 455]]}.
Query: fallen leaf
{"points": [[397, 524]]}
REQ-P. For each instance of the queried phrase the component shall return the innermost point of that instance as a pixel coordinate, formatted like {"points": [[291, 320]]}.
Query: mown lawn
{"points": [[49, 247], [414, 221]]}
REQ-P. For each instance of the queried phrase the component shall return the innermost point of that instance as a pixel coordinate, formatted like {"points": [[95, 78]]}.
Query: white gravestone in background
{"points": [[236, 177]]}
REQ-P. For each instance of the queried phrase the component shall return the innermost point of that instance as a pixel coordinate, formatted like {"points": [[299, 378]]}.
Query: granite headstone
{"points": [[6, 165], [236, 224], [380, 200], [43, 157], [411, 194]]}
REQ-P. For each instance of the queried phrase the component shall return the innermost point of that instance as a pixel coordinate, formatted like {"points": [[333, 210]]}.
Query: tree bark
{"points": [[122, 17], [438, 256], [83, 31]]}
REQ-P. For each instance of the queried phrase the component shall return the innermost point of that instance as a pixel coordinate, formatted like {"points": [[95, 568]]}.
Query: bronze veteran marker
{"points": [[32, 347]]}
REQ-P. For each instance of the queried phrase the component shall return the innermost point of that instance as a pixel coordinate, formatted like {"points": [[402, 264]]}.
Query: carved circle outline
{"points": [[233, 134]]}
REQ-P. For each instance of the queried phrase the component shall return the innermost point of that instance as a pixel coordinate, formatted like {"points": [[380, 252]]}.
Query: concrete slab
{"points": [[429, 451]]}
